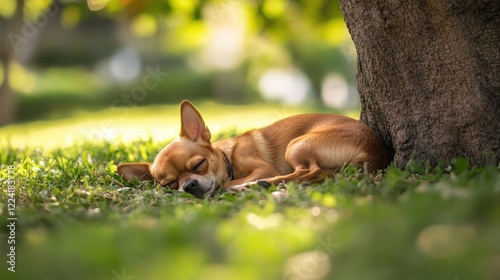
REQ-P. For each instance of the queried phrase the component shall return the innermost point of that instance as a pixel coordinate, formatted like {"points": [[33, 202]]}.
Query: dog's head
{"points": [[189, 163]]}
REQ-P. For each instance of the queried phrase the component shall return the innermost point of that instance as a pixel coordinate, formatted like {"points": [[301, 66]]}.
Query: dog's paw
{"points": [[239, 188]]}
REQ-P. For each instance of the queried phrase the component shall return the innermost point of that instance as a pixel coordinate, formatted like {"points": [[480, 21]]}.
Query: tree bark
{"points": [[428, 76]]}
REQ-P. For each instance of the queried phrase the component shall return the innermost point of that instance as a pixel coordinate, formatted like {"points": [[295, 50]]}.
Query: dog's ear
{"points": [[141, 171], [192, 125]]}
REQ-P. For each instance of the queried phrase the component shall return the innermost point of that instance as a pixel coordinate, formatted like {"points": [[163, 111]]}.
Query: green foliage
{"points": [[78, 220]]}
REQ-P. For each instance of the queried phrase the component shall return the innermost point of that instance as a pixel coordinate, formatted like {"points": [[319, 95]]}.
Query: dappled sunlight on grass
{"points": [[124, 124], [72, 208]]}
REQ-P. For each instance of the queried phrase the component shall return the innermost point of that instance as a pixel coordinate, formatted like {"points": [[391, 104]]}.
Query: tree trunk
{"points": [[428, 76], [8, 98]]}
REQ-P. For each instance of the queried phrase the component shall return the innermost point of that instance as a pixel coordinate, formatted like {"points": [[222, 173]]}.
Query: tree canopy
{"points": [[199, 40]]}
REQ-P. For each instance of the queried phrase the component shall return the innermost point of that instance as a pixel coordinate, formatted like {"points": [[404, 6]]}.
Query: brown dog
{"points": [[299, 148]]}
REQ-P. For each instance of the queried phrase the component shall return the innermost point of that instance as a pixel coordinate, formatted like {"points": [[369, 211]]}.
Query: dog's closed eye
{"points": [[199, 166]]}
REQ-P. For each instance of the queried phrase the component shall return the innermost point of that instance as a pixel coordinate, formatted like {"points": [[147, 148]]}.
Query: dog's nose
{"points": [[191, 186]]}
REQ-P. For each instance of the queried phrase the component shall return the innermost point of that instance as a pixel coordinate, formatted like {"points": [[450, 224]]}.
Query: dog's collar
{"points": [[229, 167]]}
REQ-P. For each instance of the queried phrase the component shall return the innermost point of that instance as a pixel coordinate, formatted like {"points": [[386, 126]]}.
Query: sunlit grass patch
{"points": [[124, 124]]}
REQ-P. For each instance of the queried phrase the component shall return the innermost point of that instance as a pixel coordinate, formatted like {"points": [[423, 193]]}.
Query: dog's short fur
{"points": [[299, 148]]}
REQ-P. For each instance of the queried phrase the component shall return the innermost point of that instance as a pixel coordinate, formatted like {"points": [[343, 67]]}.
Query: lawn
{"points": [[76, 219]]}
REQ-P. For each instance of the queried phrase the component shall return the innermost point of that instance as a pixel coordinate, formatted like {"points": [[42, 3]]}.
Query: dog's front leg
{"points": [[256, 177], [245, 186]]}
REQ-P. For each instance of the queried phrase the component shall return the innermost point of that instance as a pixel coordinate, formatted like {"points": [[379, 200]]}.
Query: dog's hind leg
{"points": [[300, 156], [320, 153], [303, 163]]}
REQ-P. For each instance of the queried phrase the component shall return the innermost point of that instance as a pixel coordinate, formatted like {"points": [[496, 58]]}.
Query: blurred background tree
{"points": [[66, 55]]}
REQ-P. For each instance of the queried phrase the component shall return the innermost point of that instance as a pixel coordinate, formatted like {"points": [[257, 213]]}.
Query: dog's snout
{"points": [[191, 186]]}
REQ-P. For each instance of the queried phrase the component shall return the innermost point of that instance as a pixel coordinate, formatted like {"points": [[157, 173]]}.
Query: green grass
{"points": [[76, 219]]}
